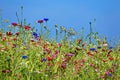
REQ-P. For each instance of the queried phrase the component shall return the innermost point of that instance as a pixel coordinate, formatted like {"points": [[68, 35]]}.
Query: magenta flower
{"points": [[40, 21], [14, 24]]}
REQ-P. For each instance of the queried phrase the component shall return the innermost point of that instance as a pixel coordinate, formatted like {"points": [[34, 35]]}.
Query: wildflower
{"points": [[27, 28], [6, 71], [59, 44], [71, 54], [111, 58], [9, 33], [46, 19], [83, 44], [4, 38], [91, 64], [106, 72], [110, 47], [40, 21], [63, 65], [17, 33], [14, 38], [109, 74], [24, 57], [35, 35], [102, 77], [14, 24], [92, 49], [49, 58], [81, 64], [44, 59], [14, 45], [81, 61]]}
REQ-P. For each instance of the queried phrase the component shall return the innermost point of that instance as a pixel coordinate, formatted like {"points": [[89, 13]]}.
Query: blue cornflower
{"points": [[24, 43], [92, 49], [35, 34], [110, 47], [46, 19], [109, 74], [24, 57], [44, 59]]}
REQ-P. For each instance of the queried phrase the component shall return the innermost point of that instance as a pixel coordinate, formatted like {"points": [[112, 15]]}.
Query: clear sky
{"points": [[70, 13]]}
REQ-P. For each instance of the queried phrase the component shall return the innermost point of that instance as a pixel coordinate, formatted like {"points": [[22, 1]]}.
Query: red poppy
{"points": [[40, 21], [49, 58], [17, 33], [111, 58], [14, 38], [8, 33], [4, 38], [14, 24], [27, 28]]}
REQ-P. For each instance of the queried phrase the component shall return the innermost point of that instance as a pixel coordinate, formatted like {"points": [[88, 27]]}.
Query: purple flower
{"points": [[24, 57], [46, 19], [71, 54]]}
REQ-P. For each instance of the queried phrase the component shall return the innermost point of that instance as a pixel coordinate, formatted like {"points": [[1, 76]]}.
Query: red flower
{"points": [[27, 28], [14, 24], [90, 54], [49, 58], [14, 38], [17, 33], [8, 33], [111, 58], [4, 38], [40, 21], [107, 55]]}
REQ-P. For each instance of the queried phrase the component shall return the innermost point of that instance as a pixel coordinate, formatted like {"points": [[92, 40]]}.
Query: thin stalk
{"points": [[17, 17], [90, 37]]}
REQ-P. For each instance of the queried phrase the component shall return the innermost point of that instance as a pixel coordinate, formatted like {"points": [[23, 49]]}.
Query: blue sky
{"points": [[69, 13]]}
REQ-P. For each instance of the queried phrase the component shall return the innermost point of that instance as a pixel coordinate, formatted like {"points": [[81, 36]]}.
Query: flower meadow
{"points": [[26, 54]]}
